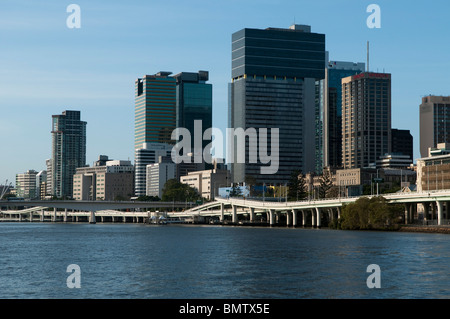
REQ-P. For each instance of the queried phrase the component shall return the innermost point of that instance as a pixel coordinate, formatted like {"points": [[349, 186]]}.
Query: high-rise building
{"points": [[48, 164], [163, 103], [41, 184], [158, 174], [331, 136], [434, 122], [26, 185], [148, 154], [68, 151], [274, 73], [194, 103], [402, 143], [366, 118], [155, 109]]}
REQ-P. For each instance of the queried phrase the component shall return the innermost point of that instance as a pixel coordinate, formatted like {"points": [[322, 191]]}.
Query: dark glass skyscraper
{"points": [[68, 151], [274, 72], [194, 101], [155, 109], [164, 102], [332, 110]]}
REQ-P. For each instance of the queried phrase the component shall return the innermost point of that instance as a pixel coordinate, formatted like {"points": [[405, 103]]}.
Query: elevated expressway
{"points": [[434, 208]]}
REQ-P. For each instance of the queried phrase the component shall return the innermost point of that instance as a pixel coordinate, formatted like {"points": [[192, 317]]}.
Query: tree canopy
{"points": [[370, 213], [296, 186], [176, 191]]}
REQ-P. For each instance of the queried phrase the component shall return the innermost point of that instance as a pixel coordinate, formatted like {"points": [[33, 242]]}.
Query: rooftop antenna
{"points": [[367, 56]]}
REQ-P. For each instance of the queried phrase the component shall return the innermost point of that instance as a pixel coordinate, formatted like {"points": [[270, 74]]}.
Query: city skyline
{"points": [[92, 69]]}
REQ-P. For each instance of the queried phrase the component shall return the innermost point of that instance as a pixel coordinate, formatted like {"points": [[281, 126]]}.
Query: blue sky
{"points": [[46, 68]]}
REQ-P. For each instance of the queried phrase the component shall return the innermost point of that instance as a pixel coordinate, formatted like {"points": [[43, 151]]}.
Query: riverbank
{"points": [[425, 229]]}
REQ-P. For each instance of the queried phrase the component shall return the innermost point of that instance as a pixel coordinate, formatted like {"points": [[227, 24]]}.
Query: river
{"points": [[193, 261]]}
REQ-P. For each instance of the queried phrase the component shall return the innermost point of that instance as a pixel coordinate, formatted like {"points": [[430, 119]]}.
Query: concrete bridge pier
{"points": [[42, 215], [303, 218], [440, 211], [313, 217], [65, 215], [92, 218], [234, 218], [54, 215], [252, 214], [271, 217], [222, 208], [294, 218], [318, 224], [31, 216]]}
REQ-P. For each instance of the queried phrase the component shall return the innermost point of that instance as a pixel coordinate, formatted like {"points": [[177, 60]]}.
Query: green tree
{"points": [[176, 191], [296, 186], [370, 213], [145, 198], [235, 191], [326, 184]]}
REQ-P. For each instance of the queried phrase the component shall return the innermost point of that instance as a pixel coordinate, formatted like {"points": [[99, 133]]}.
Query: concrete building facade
{"points": [[434, 122], [158, 174], [207, 182], [111, 180], [366, 118]]}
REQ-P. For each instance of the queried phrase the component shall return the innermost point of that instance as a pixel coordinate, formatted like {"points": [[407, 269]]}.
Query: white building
{"points": [[158, 174], [26, 185], [148, 154]]}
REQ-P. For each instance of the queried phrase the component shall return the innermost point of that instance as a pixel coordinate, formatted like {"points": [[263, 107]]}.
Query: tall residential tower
{"points": [[434, 122], [366, 118], [68, 151]]}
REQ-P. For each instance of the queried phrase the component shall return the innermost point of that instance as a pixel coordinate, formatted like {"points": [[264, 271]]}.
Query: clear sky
{"points": [[46, 67]]}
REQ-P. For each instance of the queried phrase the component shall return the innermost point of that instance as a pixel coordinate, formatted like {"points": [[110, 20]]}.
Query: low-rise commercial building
{"points": [[207, 182], [106, 180]]}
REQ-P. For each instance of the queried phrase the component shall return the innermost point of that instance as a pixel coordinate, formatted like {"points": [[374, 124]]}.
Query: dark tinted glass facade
{"points": [[402, 142], [278, 52], [336, 72], [155, 109], [274, 74], [194, 102]]}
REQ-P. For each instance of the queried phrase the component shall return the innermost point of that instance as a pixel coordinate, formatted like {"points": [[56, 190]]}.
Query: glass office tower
{"points": [[274, 72], [68, 151], [332, 110], [194, 102], [164, 102], [155, 109]]}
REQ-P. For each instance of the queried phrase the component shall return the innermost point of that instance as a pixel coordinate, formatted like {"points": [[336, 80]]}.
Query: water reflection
{"points": [[138, 261]]}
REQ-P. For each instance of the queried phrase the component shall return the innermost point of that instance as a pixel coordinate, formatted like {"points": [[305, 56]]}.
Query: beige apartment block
{"points": [[111, 181], [434, 122], [207, 182], [366, 118]]}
